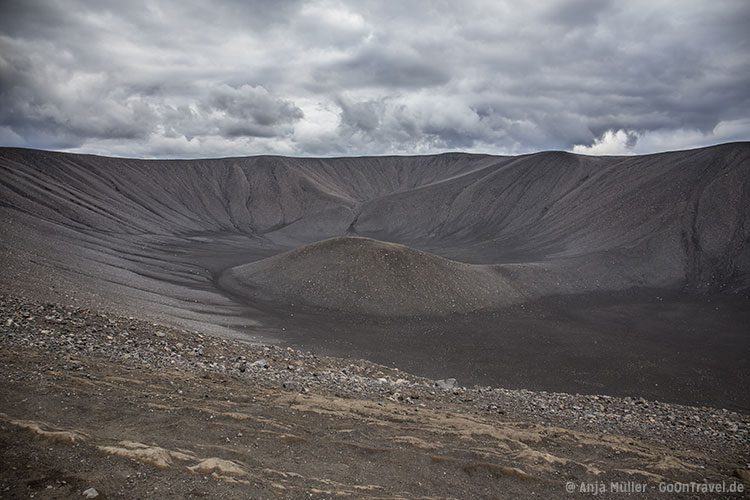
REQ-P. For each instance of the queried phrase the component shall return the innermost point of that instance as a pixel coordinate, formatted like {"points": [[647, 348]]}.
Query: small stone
{"points": [[91, 493], [160, 334]]}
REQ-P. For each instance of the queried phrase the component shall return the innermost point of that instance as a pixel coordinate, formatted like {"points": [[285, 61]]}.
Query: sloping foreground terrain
{"points": [[616, 275], [97, 404]]}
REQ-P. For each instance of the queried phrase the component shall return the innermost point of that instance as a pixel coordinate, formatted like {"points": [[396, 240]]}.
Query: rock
{"points": [[291, 385], [91, 493], [160, 334], [261, 363], [446, 384]]}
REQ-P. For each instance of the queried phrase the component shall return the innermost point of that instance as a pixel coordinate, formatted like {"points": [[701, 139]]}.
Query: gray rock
{"points": [[446, 384], [91, 493], [261, 363], [293, 386]]}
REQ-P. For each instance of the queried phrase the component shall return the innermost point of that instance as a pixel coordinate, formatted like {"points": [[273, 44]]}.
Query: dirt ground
{"points": [[70, 423]]}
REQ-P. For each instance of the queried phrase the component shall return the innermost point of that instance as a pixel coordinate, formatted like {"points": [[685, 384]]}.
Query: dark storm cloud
{"points": [[189, 78], [253, 104], [376, 66], [577, 13]]}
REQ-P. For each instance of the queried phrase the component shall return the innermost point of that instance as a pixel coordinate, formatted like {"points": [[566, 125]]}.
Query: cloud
{"points": [[328, 77], [612, 142], [248, 111], [629, 142], [380, 64]]}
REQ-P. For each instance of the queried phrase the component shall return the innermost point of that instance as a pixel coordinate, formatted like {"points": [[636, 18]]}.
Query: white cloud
{"points": [[622, 142], [612, 142]]}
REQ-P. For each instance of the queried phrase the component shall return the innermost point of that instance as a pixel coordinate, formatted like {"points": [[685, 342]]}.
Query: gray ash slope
{"points": [[571, 236]]}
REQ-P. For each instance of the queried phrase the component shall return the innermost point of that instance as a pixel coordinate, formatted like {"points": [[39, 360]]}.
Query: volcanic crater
{"points": [[540, 271]]}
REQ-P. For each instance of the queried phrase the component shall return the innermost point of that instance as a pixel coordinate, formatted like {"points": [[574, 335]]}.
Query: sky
{"points": [[190, 78]]}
